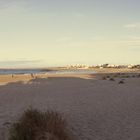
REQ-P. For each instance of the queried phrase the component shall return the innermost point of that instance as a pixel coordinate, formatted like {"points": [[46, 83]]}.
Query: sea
{"points": [[45, 71]]}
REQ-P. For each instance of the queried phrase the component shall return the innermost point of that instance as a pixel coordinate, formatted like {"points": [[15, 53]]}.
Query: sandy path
{"points": [[95, 109]]}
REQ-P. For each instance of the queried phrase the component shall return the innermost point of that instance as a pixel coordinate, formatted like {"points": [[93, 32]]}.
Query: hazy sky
{"points": [[60, 32]]}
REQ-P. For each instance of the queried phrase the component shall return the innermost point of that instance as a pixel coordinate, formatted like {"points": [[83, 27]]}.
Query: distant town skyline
{"points": [[42, 33]]}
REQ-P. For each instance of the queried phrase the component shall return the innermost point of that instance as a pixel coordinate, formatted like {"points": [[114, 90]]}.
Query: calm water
{"points": [[37, 71], [20, 71], [78, 71]]}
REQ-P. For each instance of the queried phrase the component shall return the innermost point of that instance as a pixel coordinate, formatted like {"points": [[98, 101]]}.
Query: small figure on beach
{"points": [[32, 75], [12, 75]]}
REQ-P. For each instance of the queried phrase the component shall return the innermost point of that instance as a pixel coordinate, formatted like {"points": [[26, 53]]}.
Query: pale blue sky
{"points": [[60, 32]]}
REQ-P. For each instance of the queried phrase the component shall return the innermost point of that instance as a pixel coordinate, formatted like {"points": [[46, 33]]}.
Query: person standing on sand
{"points": [[32, 75]]}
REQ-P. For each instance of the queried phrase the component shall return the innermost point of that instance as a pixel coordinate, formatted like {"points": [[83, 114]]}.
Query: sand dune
{"points": [[95, 109]]}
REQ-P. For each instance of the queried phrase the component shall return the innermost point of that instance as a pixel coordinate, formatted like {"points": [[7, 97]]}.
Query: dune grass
{"points": [[104, 78], [121, 82], [37, 125], [112, 79]]}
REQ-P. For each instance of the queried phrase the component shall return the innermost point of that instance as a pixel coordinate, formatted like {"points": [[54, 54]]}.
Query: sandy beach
{"points": [[70, 70], [95, 109]]}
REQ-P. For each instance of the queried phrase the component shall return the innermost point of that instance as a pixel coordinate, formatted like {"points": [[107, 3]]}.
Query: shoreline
{"points": [[25, 78], [12, 78]]}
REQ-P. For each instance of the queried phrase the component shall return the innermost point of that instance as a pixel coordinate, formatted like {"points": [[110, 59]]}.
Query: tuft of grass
{"points": [[108, 76], [133, 76], [121, 82], [127, 76], [37, 125], [104, 78], [116, 75], [112, 79]]}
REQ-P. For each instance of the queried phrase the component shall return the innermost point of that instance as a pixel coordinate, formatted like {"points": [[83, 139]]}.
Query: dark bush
{"points": [[116, 76], [121, 82], [36, 125], [108, 76], [112, 79], [127, 76], [104, 78]]}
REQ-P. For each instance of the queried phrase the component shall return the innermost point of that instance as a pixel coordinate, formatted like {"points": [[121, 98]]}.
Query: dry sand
{"points": [[95, 109]]}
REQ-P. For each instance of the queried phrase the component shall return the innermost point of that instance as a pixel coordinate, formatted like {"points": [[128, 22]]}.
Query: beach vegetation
{"points": [[37, 125], [121, 82], [112, 79]]}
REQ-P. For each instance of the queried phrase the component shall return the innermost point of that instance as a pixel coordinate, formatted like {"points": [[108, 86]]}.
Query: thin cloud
{"points": [[131, 39], [19, 62], [134, 38], [98, 38], [10, 3], [15, 6], [133, 25], [63, 39], [79, 15]]}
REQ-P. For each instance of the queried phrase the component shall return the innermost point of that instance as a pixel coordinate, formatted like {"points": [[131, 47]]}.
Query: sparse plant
{"points": [[127, 76], [116, 76], [36, 125], [108, 76], [104, 78], [112, 79], [121, 82], [133, 76]]}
